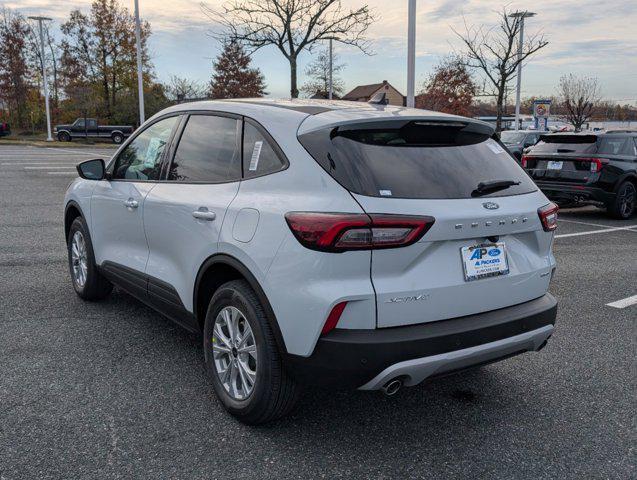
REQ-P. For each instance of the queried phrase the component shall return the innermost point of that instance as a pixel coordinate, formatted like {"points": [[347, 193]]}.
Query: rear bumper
{"points": [[367, 359], [576, 193]]}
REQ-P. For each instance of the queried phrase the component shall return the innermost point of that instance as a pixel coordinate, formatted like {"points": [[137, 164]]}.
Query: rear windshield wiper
{"points": [[492, 186]]}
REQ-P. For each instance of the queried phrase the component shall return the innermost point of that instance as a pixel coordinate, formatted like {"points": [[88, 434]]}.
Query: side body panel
{"points": [[179, 243], [118, 230]]}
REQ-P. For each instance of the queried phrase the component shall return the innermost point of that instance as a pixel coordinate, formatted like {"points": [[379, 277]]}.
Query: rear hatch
{"points": [[569, 159], [484, 205]]}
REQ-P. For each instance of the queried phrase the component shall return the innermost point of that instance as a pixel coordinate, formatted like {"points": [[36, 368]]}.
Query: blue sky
{"points": [[586, 37]]}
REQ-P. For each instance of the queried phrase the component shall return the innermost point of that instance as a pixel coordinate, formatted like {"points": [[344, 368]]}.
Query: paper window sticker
{"points": [[385, 193], [151, 152], [494, 146], [256, 153]]}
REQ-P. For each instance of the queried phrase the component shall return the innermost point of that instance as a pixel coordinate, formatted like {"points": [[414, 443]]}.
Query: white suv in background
{"points": [[337, 243]]}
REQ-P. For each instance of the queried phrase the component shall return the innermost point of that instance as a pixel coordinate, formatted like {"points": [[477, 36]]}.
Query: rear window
{"points": [[593, 144], [566, 144], [415, 159]]}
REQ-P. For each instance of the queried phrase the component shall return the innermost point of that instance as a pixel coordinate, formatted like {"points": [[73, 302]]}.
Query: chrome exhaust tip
{"points": [[391, 388]]}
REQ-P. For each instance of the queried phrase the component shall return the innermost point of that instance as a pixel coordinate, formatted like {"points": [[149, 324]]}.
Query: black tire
{"points": [[274, 392], [64, 137], [117, 138], [624, 205], [95, 286]]}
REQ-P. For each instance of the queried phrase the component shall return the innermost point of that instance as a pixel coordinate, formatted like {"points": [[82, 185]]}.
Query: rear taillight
{"points": [[548, 216], [339, 232], [524, 161], [597, 163]]}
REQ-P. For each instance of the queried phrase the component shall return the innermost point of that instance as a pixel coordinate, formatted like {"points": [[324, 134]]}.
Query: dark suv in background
{"points": [[587, 168], [517, 141]]}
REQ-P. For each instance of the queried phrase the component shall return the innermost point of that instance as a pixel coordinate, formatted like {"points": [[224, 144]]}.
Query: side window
{"points": [[208, 151], [635, 146], [92, 124], [259, 157], [141, 159], [79, 123]]}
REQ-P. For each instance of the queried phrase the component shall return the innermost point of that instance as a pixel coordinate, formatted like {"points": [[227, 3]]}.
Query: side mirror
{"points": [[92, 169]]}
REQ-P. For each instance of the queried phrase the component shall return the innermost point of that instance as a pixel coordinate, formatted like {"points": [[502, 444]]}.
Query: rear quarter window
{"points": [[415, 159]]}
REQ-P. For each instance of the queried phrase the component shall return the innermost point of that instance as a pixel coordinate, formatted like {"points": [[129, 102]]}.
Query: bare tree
{"points": [[494, 51], [292, 26], [182, 88], [319, 72], [580, 96]]}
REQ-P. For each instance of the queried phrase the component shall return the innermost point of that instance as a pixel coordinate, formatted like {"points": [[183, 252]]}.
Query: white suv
{"points": [[337, 243]]}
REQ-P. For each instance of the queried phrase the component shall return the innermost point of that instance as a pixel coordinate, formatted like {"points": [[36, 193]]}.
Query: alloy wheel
{"points": [[234, 353], [627, 200], [79, 261]]}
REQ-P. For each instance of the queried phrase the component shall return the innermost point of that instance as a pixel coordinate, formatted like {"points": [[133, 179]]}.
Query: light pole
{"points": [[411, 54], [140, 79], [521, 16], [331, 86], [49, 138]]}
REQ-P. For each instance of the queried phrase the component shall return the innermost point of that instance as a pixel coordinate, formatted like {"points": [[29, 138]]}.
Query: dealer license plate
{"points": [[480, 261], [554, 165]]}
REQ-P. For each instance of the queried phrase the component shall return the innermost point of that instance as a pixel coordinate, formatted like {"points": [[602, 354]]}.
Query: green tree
{"points": [[319, 72], [99, 50], [233, 77], [14, 69]]}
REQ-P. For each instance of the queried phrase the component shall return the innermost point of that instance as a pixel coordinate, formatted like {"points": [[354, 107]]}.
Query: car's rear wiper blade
{"points": [[492, 186]]}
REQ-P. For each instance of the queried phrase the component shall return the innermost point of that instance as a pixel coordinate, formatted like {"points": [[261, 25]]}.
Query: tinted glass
{"points": [[512, 138], [614, 145], [141, 159], [79, 123], [208, 151], [415, 159], [566, 144], [259, 157]]}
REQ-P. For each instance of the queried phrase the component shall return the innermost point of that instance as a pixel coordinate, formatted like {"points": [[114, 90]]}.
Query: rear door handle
{"points": [[131, 203], [204, 214]]}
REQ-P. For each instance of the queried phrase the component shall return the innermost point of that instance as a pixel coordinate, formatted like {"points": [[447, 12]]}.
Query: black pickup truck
{"points": [[89, 128]]}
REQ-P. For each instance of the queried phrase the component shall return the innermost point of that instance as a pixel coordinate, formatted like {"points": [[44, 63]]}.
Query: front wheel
{"points": [[242, 358], [624, 205], [88, 282]]}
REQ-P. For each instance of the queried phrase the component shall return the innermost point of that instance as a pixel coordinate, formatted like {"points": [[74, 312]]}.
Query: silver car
{"points": [[333, 243]]}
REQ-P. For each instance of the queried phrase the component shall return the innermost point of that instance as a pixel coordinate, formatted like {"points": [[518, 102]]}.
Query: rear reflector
{"points": [[548, 216], [333, 317], [339, 232]]}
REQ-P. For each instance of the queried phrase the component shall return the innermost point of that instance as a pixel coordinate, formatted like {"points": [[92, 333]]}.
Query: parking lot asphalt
{"points": [[114, 390]]}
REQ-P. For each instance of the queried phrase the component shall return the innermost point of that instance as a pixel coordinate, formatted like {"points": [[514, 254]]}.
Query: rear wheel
{"points": [[117, 138], [64, 137], [242, 358], [624, 205], [88, 282]]}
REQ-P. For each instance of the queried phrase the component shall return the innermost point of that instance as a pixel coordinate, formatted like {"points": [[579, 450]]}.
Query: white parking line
{"points": [[19, 164], [624, 302], [78, 152], [585, 223], [49, 167], [629, 228], [63, 173]]}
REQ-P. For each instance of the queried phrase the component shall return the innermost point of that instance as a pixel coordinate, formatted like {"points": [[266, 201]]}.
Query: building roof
{"points": [[366, 91]]}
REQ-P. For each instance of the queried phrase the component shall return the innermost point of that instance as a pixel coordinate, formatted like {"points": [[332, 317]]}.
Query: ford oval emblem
{"points": [[490, 205]]}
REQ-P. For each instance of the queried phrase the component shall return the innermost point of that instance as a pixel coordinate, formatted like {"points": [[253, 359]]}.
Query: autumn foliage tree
{"points": [[99, 51], [233, 77], [14, 69], [449, 89]]}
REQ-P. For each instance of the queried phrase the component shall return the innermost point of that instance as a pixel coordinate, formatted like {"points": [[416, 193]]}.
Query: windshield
{"points": [[512, 138], [401, 159]]}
